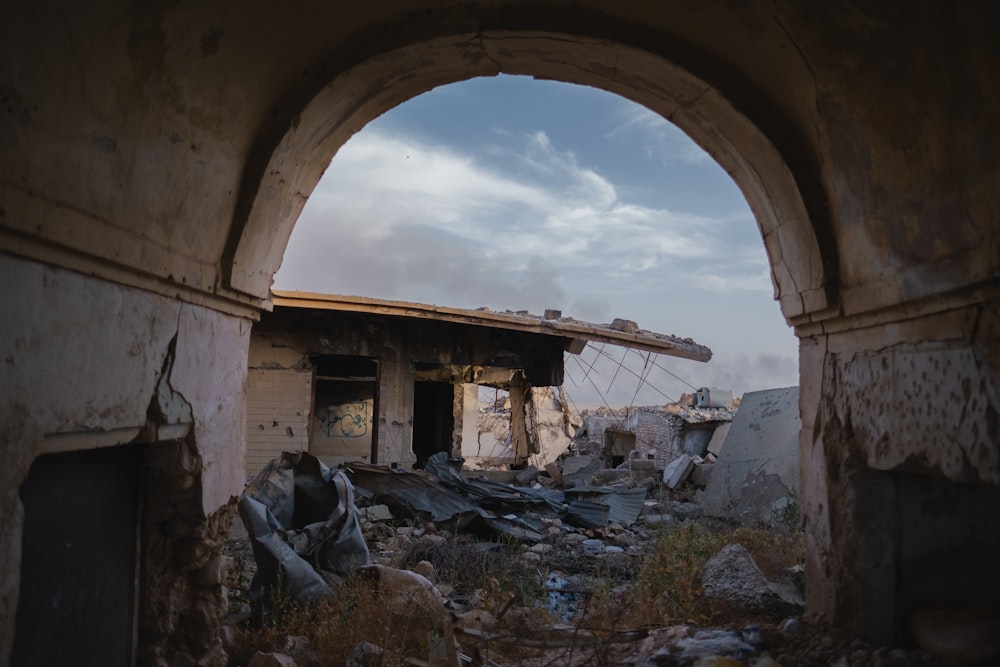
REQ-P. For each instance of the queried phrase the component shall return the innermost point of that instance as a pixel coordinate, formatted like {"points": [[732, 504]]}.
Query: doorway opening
{"points": [[433, 419], [77, 603]]}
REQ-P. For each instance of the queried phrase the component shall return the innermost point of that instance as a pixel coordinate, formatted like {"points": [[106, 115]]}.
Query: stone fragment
{"points": [[641, 464], [628, 326], [426, 569], [733, 576], [700, 474], [527, 476], [377, 513]]}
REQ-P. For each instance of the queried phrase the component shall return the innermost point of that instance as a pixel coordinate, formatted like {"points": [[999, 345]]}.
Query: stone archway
{"points": [[153, 158], [290, 155]]}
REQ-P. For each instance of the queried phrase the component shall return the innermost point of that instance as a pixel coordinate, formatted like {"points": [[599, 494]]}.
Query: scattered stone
{"points": [[606, 476], [541, 548], [792, 625], [620, 324]]}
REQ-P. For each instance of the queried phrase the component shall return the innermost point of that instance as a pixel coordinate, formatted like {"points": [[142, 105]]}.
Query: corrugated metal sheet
{"points": [[414, 493], [624, 505]]}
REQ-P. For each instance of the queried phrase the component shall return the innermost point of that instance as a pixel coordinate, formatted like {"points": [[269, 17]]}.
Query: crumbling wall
{"points": [[919, 397], [93, 364], [657, 434], [550, 425]]}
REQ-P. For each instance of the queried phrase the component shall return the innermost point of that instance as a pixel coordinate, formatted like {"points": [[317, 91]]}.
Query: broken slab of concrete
{"points": [[579, 470], [755, 479], [677, 471], [719, 438]]}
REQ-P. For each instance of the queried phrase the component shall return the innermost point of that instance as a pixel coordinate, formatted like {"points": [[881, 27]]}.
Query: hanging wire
{"points": [[647, 383], [624, 354], [638, 385], [619, 420], [586, 375], [670, 373], [596, 388]]}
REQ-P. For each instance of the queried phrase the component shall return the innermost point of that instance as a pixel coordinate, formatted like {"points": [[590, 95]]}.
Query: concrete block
{"points": [[719, 438], [701, 473], [677, 471]]}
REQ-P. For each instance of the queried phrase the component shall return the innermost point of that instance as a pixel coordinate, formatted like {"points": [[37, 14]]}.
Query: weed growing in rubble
{"points": [[335, 625], [493, 569], [668, 588]]}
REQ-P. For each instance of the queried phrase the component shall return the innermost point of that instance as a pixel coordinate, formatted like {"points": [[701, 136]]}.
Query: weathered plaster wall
{"points": [[918, 397], [279, 407], [89, 363], [547, 421]]}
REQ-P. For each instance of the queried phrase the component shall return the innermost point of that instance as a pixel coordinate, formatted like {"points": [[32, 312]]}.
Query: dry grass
{"points": [[668, 589], [661, 588]]}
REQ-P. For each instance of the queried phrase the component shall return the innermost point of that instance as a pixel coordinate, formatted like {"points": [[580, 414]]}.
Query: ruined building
{"points": [[391, 382], [154, 158]]}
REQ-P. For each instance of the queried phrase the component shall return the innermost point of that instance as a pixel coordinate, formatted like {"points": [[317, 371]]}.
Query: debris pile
{"points": [[574, 563], [491, 573]]}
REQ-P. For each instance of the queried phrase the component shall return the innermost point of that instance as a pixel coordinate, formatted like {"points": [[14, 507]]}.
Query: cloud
{"points": [[664, 141], [425, 215], [523, 225]]}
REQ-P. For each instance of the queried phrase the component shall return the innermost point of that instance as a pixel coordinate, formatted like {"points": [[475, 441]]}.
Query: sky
{"points": [[517, 194]]}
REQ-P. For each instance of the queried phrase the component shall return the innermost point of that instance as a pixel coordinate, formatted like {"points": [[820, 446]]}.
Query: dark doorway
{"points": [[433, 419], [78, 559]]}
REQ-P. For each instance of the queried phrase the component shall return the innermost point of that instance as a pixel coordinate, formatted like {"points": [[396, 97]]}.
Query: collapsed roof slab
{"points": [[619, 332]]}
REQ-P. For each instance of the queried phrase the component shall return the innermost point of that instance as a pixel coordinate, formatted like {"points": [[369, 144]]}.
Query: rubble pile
{"points": [[542, 570]]}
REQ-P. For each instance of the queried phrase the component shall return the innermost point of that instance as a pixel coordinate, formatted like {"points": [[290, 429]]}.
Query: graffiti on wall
{"points": [[347, 420]]}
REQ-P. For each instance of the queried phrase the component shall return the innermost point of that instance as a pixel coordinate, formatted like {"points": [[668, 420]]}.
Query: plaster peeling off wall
{"points": [[549, 423], [92, 364]]}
